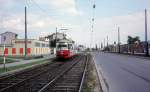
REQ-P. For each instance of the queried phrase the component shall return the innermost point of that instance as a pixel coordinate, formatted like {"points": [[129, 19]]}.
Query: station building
{"points": [[16, 47], [52, 40]]}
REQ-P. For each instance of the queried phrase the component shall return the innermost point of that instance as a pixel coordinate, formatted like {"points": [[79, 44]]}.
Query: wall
{"points": [[19, 47]]}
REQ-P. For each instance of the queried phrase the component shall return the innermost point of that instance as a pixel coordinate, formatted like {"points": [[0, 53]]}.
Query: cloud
{"points": [[65, 5], [7, 3], [37, 25], [40, 22], [132, 24], [12, 23], [61, 6]]}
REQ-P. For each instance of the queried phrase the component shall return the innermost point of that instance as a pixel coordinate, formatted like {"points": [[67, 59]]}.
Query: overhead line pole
{"points": [[25, 31], [118, 39], [56, 39], [104, 43], [146, 41], [107, 41]]}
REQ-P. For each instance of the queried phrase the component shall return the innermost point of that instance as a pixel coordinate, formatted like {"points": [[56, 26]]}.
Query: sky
{"points": [[43, 16]]}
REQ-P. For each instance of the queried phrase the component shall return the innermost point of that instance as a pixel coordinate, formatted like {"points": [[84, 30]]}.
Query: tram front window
{"points": [[62, 47]]}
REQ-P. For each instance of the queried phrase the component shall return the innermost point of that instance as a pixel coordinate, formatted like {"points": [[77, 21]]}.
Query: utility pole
{"points": [[118, 40], [56, 36], [101, 45], [104, 43], [25, 31], [55, 41], [107, 41], [146, 42]]}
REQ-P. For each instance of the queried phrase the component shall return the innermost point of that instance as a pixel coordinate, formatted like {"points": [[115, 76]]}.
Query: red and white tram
{"points": [[65, 49]]}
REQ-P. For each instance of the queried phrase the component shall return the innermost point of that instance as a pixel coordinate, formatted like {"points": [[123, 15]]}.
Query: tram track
{"points": [[54, 77], [71, 80], [11, 84]]}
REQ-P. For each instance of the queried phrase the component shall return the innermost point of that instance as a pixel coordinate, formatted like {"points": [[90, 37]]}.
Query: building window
{"points": [[47, 45], [41, 50], [37, 44], [13, 51], [43, 45]]}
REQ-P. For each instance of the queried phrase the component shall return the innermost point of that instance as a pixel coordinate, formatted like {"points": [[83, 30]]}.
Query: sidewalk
{"points": [[27, 61]]}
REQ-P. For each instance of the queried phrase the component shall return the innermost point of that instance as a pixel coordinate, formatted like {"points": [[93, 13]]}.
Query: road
{"points": [[122, 73]]}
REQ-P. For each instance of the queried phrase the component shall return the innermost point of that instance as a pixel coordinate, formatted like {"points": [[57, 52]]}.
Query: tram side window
{"points": [[59, 46], [70, 46]]}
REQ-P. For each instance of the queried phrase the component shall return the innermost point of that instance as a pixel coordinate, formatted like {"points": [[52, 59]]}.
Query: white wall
{"points": [[0, 39]]}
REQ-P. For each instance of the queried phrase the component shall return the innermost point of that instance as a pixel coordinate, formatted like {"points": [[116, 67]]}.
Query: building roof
{"points": [[54, 34], [8, 32], [31, 40]]}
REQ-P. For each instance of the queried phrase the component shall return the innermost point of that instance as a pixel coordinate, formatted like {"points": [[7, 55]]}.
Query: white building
{"points": [[7, 37], [16, 47], [53, 36], [52, 40]]}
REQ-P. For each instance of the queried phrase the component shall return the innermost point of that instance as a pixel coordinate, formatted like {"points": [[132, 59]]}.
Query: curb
{"points": [[101, 78]]}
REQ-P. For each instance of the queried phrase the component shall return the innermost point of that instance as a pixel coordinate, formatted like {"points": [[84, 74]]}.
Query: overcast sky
{"points": [[75, 15]]}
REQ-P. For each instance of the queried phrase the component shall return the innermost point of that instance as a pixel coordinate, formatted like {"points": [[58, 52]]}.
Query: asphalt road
{"points": [[122, 73]]}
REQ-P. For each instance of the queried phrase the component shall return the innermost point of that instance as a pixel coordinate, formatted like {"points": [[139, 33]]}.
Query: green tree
{"points": [[131, 41]]}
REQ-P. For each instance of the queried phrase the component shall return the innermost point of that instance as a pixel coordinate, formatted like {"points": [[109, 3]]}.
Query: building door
{"points": [[28, 51], [21, 51], [13, 51], [6, 52]]}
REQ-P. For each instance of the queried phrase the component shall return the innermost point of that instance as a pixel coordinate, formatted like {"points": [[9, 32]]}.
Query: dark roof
{"points": [[54, 34], [8, 32]]}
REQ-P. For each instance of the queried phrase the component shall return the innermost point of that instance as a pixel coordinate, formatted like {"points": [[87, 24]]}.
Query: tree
{"points": [[131, 41]]}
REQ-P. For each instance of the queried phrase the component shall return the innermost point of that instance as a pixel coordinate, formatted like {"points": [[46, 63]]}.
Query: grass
{"points": [[90, 81], [22, 57], [8, 60], [23, 66], [11, 59]]}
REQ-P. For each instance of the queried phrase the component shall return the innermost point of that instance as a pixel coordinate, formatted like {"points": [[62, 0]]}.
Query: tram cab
{"points": [[64, 49]]}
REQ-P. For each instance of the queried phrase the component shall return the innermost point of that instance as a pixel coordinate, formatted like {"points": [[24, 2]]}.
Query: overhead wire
{"points": [[32, 3]]}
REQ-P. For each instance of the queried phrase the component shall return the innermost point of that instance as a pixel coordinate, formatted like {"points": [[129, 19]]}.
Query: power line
{"points": [[43, 10], [33, 2]]}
